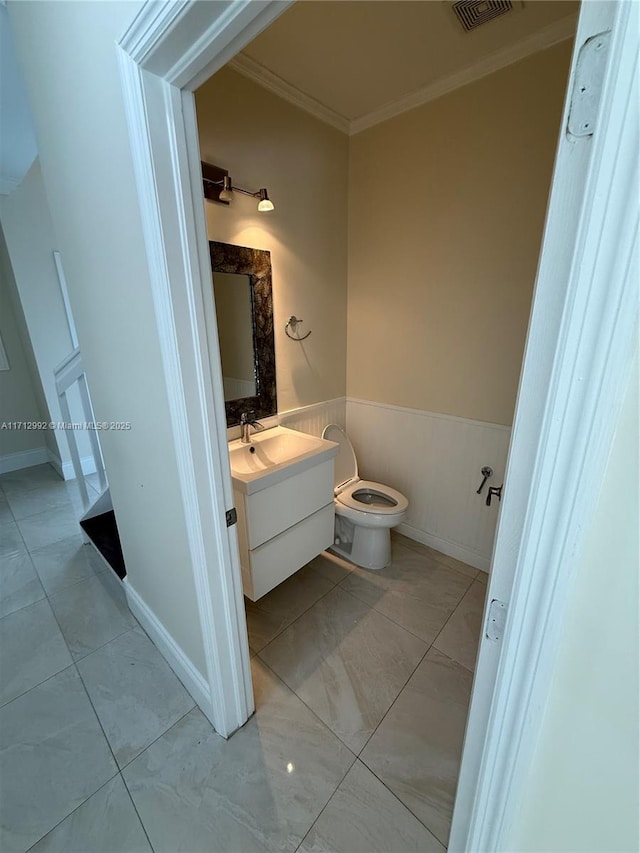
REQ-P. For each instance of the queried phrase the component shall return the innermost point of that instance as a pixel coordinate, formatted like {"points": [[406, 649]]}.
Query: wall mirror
{"points": [[244, 310]]}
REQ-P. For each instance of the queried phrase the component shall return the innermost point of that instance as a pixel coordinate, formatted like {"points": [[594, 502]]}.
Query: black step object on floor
{"points": [[103, 532]]}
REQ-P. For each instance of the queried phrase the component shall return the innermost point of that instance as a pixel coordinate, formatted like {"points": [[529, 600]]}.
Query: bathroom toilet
{"points": [[365, 511]]}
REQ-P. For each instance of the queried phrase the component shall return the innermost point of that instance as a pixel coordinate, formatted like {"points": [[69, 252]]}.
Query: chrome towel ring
{"points": [[293, 322]]}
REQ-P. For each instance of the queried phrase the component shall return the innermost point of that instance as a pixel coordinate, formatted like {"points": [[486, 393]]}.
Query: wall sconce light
{"points": [[219, 187]]}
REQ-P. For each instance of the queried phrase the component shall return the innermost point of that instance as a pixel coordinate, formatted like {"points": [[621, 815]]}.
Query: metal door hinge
{"points": [[231, 516], [496, 619], [587, 85]]}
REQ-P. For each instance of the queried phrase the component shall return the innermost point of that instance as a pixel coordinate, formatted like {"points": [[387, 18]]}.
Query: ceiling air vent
{"points": [[474, 13]]}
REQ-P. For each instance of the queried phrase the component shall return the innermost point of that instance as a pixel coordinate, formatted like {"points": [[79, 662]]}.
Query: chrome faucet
{"points": [[248, 419]]}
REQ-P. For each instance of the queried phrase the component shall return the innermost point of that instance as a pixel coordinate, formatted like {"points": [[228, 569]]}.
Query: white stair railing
{"points": [[68, 373]]}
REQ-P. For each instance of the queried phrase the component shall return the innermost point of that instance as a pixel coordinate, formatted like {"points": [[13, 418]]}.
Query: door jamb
{"points": [[569, 445], [164, 54]]}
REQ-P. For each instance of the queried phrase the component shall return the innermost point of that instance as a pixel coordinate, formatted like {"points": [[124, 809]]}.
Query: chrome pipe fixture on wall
{"points": [[219, 187]]}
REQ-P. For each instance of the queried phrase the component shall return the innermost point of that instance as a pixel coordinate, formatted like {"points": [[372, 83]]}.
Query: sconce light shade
{"points": [[226, 193], [219, 187], [265, 204]]}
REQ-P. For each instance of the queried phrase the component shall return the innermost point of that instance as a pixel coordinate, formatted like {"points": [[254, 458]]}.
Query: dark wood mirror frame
{"points": [[255, 263]]}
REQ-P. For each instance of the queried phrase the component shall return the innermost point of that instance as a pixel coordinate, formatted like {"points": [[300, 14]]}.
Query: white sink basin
{"points": [[274, 455]]}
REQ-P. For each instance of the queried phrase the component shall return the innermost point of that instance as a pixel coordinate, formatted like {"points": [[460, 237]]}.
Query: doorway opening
{"points": [[183, 198], [420, 297]]}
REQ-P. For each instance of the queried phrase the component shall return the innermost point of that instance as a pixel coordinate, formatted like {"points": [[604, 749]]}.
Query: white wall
{"points": [[583, 792], [29, 233], [68, 54], [19, 393]]}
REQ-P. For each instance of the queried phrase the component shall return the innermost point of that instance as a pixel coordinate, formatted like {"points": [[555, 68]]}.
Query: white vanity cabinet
{"points": [[283, 493]]}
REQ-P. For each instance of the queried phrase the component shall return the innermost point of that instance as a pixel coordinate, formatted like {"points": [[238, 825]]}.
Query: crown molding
{"points": [[248, 67], [548, 36]]}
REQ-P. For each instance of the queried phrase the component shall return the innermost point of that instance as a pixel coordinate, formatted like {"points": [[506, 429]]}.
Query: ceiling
{"points": [[354, 58]]}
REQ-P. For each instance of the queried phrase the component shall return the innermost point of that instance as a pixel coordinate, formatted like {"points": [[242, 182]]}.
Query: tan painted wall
{"points": [[264, 141], [583, 791], [446, 208]]}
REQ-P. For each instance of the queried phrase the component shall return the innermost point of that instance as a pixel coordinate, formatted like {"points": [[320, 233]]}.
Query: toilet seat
{"points": [[365, 511], [383, 499], [363, 496]]}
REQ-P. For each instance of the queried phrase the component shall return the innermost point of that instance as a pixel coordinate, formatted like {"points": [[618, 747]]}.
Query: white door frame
{"points": [[581, 359], [167, 50]]}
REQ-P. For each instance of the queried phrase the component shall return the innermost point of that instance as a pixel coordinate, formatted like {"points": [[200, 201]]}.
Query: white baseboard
{"points": [[188, 674], [23, 459], [451, 549], [65, 469]]}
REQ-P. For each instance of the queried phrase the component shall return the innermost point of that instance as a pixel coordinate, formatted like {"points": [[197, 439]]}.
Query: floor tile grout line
{"points": [[388, 711], [31, 603], [334, 585], [70, 505], [406, 805], [431, 554], [75, 664], [331, 732], [101, 646], [402, 803], [458, 605], [84, 687], [325, 806], [300, 699], [73, 810], [431, 646], [194, 707], [286, 627], [55, 618], [360, 758], [386, 615], [115, 760], [400, 692], [135, 808], [71, 585], [436, 559], [35, 686]]}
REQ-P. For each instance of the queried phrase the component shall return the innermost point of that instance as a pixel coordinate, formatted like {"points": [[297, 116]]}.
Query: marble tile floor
{"points": [[362, 683]]}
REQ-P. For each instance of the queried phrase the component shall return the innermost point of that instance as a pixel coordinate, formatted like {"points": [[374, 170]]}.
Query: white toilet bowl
{"points": [[365, 511]]}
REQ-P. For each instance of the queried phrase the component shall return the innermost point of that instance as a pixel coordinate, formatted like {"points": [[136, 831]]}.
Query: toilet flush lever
{"points": [[486, 473], [494, 490]]}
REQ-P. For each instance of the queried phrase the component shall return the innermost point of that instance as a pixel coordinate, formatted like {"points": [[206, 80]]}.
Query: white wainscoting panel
{"points": [[434, 460], [313, 419], [310, 419]]}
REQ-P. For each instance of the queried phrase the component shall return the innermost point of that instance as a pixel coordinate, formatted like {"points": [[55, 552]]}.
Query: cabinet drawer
{"points": [[275, 560], [273, 510]]}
